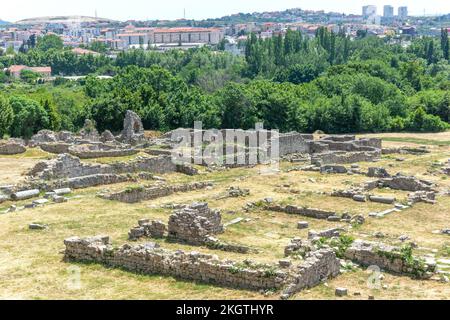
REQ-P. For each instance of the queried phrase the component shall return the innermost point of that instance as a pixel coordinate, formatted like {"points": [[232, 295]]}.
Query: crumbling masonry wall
{"points": [[194, 224], [150, 259], [137, 194]]}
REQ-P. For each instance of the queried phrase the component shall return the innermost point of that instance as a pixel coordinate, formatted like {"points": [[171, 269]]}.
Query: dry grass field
{"points": [[31, 265]]}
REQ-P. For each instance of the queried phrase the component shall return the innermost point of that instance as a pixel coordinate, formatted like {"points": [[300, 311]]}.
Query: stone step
{"points": [[234, 221]]}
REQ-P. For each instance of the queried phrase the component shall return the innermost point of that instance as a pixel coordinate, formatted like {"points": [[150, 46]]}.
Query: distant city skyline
{"points": [[199, 9]]}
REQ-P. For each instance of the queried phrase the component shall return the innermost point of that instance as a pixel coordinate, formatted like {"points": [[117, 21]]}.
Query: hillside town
{"points": [[79, 31]]}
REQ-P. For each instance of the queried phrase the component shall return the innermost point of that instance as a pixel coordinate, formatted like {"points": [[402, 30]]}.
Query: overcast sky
{"points": [[13, 10]]}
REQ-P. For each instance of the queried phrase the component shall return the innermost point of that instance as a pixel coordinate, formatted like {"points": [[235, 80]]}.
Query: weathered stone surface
{"points": [[3, 198], [43, 136], [379, 199], [359, 198], [59, 199], [302, 225], [89, 132], [388, 258], [23, 195], [66, 166], [140, 193], [194, 224], [341, 292], [406, 183], [149, 259], [216, 244], [107, 136], [329, 233], [236, 192], [62, 192], [36, 226], [343, 157], [378, 172], [317, 267], [422, 196], [11, 148], [93, 151], [155, 229], [55, 147], [333, 169], [39, 202], [133, 130], [298, 247], [307, 212]]}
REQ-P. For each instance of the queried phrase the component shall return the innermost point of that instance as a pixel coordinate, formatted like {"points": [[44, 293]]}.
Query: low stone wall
{"points": [[318, 267], [140, 193], [377, 172], [344, 157], [306, 212], [11, 148], [68, 166], [293, 143], [217, 244], [404, 150], [158, 152], [194, 266], [388, 258], [100, 151], [329, 233], [55, 147], [149, 259], [405, 183]]}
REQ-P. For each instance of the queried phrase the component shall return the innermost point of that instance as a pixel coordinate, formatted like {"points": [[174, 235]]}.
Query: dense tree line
{"points": [[290, 82]]}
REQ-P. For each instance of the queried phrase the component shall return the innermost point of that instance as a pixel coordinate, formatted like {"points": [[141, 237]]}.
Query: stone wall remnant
{"points": [[89, 132], [93, 151], [306, 212], [151, 259], [11, 148], [378, 172], [390, 258], [406, 183], [133, 130], [141, 193], [318, 266], [194, 224]]}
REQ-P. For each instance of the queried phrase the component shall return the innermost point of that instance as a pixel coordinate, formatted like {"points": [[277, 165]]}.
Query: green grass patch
{"points": [[418, 141]]}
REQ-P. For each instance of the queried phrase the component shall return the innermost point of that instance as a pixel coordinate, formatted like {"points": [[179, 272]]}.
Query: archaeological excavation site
{"points": [[132, 215]]}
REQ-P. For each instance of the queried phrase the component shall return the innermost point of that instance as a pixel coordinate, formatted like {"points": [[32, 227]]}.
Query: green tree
{"points": [[50, 41], [53, 115], [29, 117], [445, 43], [6, 116]]}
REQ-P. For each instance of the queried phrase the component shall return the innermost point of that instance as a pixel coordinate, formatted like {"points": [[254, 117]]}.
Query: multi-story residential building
{"points": [[369, 10], [388, 11], [402, 12]]}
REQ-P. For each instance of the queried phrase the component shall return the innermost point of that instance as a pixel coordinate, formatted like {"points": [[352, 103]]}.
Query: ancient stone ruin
{"points": [[11, 148], [194, 224], [151, 259], [133, 130]]}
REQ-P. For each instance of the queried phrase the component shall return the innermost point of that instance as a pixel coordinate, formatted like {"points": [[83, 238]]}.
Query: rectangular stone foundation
{"points": [[150, 259]]}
